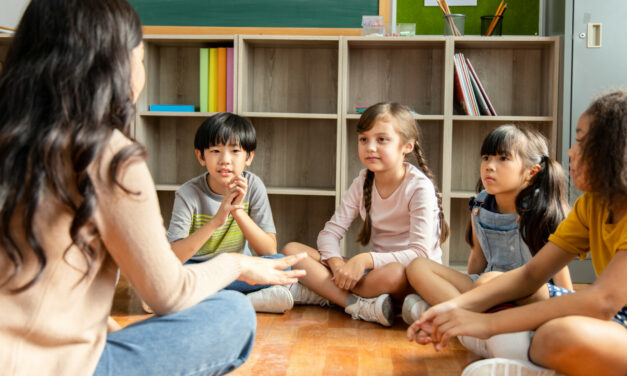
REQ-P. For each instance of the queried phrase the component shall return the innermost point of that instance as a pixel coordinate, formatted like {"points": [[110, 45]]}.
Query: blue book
{"points": [[172, 107]]}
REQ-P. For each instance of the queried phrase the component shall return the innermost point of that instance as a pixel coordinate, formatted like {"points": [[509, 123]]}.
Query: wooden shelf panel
{"points": [[300, 218], [504, 119], [195, 41], [287, 115], [518, 77], [353, 116], [293, 75], [411, 73], [300, 191], [459, 250], [462, 194], [296, 152]]}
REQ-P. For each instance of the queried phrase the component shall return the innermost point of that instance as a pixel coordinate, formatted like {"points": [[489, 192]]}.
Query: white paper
{"points": [[433, 3]]}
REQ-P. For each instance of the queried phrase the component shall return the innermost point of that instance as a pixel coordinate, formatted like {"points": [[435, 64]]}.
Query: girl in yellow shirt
{"points": [[579, 333]]}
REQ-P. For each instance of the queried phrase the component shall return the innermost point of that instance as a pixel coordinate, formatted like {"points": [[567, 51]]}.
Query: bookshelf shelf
{"points": [[300, 93]]}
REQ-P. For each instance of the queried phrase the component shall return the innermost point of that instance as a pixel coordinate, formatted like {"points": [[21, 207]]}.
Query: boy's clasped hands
{"points": [[444, 321], [232, 201]]}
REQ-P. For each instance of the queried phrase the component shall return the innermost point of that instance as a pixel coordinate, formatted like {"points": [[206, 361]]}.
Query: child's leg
{"points": [[435, 282], [388, 279], [213, 337], [541, 294], [318, 277], [578, 345]]}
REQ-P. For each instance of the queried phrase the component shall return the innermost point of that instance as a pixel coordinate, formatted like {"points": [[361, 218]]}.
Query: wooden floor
{"points": [[311, 340]]}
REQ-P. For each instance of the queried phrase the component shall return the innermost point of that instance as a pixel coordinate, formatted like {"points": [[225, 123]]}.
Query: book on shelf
{"points": [[213, 79], [229, 79], [463, 90], [484, 95], [204, 80], [469, 90], [221, 74], [171, 107]]}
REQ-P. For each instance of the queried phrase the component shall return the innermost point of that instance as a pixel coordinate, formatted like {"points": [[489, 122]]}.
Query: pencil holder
{"points": [[454, 24], [493, 22]]}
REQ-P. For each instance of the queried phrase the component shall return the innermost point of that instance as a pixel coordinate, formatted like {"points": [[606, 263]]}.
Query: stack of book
{"points": [[216, 79], [469, 91]]}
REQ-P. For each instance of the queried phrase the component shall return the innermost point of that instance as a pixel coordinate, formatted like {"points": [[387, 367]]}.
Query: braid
{"points": [[422, 164], [364, 234]]}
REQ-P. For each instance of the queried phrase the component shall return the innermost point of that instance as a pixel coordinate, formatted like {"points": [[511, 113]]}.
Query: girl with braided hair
{"points": [[403, 220]]}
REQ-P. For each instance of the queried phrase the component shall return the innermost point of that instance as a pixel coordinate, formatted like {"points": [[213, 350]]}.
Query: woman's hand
{"points": [[257, 270], [349, 274]]}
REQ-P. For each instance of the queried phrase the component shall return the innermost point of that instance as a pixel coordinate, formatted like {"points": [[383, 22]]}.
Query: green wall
{"points": [[521, 16]]}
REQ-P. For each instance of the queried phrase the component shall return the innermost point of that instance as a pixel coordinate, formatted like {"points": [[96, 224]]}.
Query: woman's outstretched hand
{"points": [[257, 270], [444, 321]]}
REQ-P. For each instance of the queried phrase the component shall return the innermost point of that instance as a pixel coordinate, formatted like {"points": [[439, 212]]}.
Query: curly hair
{"points": [[604, 147], [65, 87]]}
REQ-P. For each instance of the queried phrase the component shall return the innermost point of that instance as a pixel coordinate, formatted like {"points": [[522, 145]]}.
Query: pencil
{"points": [[496, 18]]}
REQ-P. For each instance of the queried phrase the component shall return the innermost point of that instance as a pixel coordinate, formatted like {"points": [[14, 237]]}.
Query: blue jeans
{"points": [[211, 338], [241, 286]]}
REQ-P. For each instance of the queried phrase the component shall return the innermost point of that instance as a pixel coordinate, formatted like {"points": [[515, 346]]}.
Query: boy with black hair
{"points": [[226, 209]]}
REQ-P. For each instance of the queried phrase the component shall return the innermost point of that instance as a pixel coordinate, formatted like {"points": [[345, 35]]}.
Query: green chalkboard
{"points": [[255, 13]]}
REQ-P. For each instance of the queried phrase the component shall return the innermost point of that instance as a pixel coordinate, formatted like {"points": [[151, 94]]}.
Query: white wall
{"points": [[11, 12]]}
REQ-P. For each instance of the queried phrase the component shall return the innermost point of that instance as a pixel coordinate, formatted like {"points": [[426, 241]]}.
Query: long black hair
{"points": [[408, 130], [542, 204], [64, 88]]}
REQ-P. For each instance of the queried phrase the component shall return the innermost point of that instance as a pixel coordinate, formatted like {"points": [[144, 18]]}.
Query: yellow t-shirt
{"points": [[586, 229]]}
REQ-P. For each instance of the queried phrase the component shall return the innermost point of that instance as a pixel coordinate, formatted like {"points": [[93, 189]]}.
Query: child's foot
{"points": [[413, 307], [273, 299], [379, 309], [508, 345], [303, 295], [503, 367]]}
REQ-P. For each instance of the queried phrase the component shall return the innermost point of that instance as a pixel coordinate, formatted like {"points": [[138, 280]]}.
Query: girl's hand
{"points": [[451, 321], [257, 270], [239, 185], [349, 274], [424, 325]]}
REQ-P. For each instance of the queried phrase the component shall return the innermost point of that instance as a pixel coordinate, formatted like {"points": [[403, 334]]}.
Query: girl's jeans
{"points": [[211, 338]]}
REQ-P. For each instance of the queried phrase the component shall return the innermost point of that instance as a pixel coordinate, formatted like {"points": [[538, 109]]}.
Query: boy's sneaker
{"points": [[379, 309], [303, 295], [506, 367], [413, 307], [273, 299]]}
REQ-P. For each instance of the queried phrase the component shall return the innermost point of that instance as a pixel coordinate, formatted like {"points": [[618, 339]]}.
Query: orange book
{"points": [[221, 79]]}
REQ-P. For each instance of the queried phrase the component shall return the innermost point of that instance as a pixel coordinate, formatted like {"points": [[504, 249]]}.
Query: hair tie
{"points": [[544, 160]]}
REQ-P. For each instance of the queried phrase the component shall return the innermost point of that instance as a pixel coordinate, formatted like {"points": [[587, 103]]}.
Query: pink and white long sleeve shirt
{"points": [[405, 225]]}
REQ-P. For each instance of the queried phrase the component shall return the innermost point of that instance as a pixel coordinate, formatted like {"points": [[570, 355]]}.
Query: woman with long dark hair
{"points": [[77, 202]]}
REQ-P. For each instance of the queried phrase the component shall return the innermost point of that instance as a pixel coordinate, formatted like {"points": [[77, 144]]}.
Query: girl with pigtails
{"points": [[403, 220]]}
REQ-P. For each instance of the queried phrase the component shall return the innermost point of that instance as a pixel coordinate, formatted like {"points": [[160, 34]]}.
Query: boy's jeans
{"points": [[211, 338]]}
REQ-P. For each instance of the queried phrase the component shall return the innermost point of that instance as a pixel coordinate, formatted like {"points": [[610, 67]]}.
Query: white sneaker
{"points": [[303, 295], [379, 309], [273, 299], [146, 307], [506, 367], [413, 306], [508, 345]]}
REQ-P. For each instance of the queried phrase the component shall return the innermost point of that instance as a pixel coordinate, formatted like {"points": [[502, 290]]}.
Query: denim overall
{"points": [[498, 235]]}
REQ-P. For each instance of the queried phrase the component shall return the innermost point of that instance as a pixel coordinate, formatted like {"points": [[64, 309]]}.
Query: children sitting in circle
{"points": [[581, 333], [403, 220], [522, 204]]}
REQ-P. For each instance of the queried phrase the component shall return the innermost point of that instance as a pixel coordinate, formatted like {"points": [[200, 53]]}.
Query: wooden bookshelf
{"points": [[300, 93]]}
